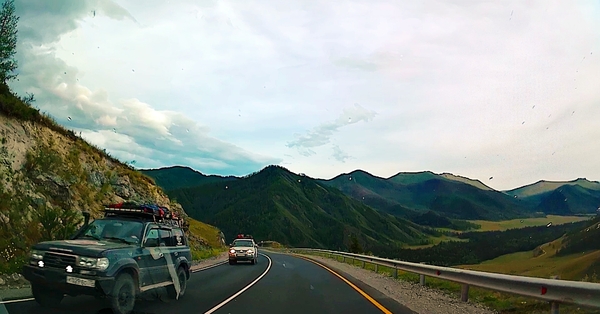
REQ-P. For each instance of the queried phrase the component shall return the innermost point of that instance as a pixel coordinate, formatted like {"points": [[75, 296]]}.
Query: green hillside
{"points": [[177, 177], [575, 256], [582, 240], [568, 200], [275, 204]]}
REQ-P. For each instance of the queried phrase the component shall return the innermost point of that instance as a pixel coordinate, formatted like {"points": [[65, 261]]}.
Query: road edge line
{"points": [[15, 300], [220, 305], [353, 286]]}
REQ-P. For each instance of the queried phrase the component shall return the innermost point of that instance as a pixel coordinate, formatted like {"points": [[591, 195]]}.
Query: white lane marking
{"points": [[17, 300], [208, 267], [31, 299], [220, 305]]}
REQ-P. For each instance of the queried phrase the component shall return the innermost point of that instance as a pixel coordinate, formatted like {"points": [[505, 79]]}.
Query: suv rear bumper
{"points": [[56, 279], [242, 258]]}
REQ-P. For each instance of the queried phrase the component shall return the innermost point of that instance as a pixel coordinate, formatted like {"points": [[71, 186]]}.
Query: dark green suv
{"points": [[133, 249]]}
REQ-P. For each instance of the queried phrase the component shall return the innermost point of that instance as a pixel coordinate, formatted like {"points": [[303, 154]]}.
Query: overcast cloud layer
{"points": [[502, 89]]}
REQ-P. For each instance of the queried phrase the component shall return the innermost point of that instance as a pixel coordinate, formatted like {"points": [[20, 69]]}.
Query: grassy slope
{"points": [[544, 263], [211, 235]]}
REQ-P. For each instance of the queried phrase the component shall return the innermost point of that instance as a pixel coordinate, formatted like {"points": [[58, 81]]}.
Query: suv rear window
{"points": [[243, 243], [178, 238]]}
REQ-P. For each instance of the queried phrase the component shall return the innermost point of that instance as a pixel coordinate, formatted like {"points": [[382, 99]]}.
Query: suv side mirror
{"points": [[86, 218]]}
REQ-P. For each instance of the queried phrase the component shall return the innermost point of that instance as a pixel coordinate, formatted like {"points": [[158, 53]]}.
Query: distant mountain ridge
{"points": [[412, 195], [177, 177], [543, 186], [409, 194]]}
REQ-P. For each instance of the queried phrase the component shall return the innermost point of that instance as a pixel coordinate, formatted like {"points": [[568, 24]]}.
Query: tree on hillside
{"points": [[8, 40], [355, 247]]}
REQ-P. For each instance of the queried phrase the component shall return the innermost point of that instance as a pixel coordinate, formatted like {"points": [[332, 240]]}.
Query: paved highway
{"points": [[279, 283]]}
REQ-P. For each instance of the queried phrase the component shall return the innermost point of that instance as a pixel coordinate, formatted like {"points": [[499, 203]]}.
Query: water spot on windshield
{"points": [[226, 187], [521, 220], [491, 178], [69, 118], [350, 178], [516, 196], [549, 225], [533, 107], [114, 130], [349, 119]]}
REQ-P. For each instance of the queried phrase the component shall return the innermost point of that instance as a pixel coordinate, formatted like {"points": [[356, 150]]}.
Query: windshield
{"points": [[116, 230], [243, 243]]}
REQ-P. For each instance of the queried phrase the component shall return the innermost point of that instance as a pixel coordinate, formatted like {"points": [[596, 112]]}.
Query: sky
{"points": [[499, 91]]}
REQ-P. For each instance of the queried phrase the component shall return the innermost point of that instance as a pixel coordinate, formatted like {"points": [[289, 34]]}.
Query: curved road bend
{"points": [[279, 283]]}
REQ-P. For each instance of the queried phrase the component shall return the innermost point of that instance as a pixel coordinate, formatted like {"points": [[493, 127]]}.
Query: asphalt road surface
{"points": [[279, 283]]}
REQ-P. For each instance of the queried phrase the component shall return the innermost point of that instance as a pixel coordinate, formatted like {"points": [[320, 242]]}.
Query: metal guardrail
{"points": [[554, 291]]}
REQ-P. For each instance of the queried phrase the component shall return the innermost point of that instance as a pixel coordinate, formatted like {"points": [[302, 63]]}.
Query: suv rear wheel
{"points": [[122, 297], [182, 284], [46, 297]]}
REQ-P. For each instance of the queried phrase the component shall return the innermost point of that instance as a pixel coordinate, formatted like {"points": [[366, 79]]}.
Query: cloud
{"points": [[339, 155], [130, 129], [451, 83], [321, 134]]}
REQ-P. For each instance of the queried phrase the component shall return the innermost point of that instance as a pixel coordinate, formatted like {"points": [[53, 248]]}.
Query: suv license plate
{"points": [[81, 282]]}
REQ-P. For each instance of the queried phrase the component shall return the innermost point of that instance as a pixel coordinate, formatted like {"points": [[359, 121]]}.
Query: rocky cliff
{"points": [[49, 175]]}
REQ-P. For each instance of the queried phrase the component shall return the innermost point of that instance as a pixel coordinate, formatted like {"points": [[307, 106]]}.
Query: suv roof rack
{"points": [[244, 236], [153, 212]]}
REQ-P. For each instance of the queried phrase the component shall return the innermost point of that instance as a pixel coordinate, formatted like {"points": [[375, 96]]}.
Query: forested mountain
{"points": [[275, 204]]}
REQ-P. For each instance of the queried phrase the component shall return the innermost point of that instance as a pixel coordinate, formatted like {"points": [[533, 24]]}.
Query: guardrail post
{"points": [[395, 272], [422, 277], [464, 293], [376, 268], [363, 264], [554, 306]]}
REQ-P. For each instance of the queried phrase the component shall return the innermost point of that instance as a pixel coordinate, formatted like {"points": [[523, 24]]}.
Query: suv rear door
{"points": [[153, 257]]}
